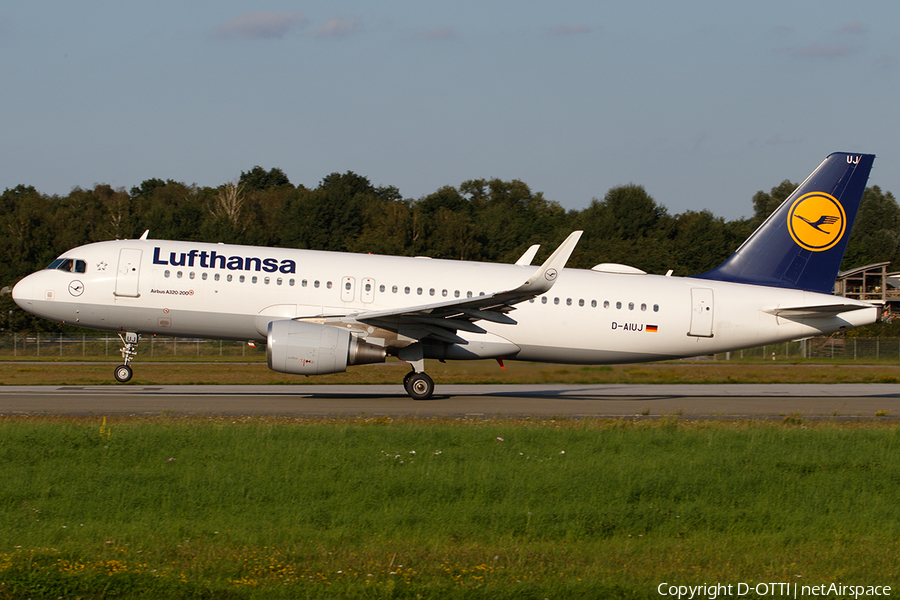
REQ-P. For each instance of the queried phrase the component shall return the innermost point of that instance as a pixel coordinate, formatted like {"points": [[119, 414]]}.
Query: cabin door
{"points": [[701, 312], [129, 272]]}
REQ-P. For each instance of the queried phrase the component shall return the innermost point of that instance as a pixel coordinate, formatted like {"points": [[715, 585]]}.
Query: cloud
{"points": [[338, 27], [816, 50], [570, 30], [854, 27], [888, 62], [440, 33], [260, 26]]}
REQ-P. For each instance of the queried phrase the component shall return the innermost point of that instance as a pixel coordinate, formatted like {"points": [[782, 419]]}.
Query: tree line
{"points": [[481, 219]]}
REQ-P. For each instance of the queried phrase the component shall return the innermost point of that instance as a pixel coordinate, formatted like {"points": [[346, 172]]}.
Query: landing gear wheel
{"points": [[406, 379], [123, 373], [420, 386]]}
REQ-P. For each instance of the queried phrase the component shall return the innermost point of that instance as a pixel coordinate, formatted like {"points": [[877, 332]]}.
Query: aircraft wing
{"points": [[443, 319]]}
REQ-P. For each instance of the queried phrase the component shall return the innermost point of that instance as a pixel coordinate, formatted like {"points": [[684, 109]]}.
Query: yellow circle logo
{"points": [[816, 221]]}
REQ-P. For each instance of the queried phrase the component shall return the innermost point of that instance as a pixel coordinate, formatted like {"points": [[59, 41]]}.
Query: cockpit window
{"points": [[70, 265]]}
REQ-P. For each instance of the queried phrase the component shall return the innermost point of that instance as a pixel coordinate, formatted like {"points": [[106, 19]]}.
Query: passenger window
{"points": [[204, 276], [406, 290], [643, 307], [456, 294], [328, 285], [303, 283], [619, 305], [347, 286], [291, 282], [315, 284], [631, 306], [419, 291], [568, 302], [178, 274], [216, 277], [593, 304], [166, 273], [656, 308], [242, 279], [543, 299], [191, 275], [431, 292], [606, 304], [228, 277], [394, 289], [556, 301], [581, 302], [468, 294], [279, 281]]}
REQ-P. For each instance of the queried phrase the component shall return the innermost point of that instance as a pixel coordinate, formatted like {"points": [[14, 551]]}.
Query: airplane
{"points": [[319, 312]]}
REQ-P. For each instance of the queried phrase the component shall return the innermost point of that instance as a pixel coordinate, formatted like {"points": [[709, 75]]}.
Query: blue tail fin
{"points": [[802, 243]]}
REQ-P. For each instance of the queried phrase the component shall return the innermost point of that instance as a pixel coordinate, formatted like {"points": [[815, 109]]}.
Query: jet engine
{"points": [[313, 349]]}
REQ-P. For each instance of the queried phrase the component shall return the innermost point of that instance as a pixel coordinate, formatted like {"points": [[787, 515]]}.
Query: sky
{"points": [[701, 102]]}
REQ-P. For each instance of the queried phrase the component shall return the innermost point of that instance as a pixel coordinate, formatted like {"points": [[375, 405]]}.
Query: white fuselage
{"points": [[222, 291]]}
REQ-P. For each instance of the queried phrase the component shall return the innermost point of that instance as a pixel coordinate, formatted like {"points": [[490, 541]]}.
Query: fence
{"points": [[32, 345], [823, 349]]}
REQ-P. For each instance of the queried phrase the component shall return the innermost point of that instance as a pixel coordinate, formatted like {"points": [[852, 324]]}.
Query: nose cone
{"points": [[23, 293]]}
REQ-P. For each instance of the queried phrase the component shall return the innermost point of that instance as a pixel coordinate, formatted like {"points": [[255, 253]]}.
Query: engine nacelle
{"points": [[313, 349]]}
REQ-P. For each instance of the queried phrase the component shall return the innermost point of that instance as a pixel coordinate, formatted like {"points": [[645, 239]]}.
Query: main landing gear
{"points": [[418, 384], [123, 372]]}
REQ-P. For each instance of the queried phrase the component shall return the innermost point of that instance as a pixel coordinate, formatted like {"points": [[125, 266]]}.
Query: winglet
{"points": [[544, 278], [525, 259]]}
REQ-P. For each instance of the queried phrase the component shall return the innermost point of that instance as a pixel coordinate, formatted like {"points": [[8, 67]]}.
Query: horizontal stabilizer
{"points": [[813, 312]]}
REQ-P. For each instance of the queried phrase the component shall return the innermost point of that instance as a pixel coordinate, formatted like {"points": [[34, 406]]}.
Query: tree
{"points": [[628, 227], [876, 232], [259, 179], [764, 204]]}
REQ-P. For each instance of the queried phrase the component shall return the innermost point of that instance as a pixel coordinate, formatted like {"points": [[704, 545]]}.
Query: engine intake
{"points": [[313, 349]]}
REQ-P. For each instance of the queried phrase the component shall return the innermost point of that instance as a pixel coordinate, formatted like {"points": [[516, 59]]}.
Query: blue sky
{"points": [[702, 103]]}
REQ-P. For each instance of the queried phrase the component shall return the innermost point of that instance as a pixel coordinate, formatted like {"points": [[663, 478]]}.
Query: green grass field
{"points": [[381, 508]]}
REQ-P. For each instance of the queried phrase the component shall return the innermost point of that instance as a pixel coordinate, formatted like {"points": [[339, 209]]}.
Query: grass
{"points": [[369, 508], [474, 372]]}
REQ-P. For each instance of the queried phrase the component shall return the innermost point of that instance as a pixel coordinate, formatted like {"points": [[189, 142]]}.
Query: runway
{"points": [[569, 401]]}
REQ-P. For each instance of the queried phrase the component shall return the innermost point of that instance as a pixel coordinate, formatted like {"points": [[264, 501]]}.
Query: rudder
{"points": [[802, 243]]}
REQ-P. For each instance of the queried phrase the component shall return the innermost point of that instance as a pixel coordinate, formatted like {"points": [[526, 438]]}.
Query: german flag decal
{"points": [[651, 328]]}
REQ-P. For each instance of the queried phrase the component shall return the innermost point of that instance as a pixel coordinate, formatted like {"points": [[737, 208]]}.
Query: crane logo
{"points": [[816, 221]]}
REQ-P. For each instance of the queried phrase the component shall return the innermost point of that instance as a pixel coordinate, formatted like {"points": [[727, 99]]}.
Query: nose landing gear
{"points": [[123, 372]]}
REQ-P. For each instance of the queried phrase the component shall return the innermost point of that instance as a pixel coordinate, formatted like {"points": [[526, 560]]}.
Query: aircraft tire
{"points": [[123, 373], [420, 386], [406, 379]]}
